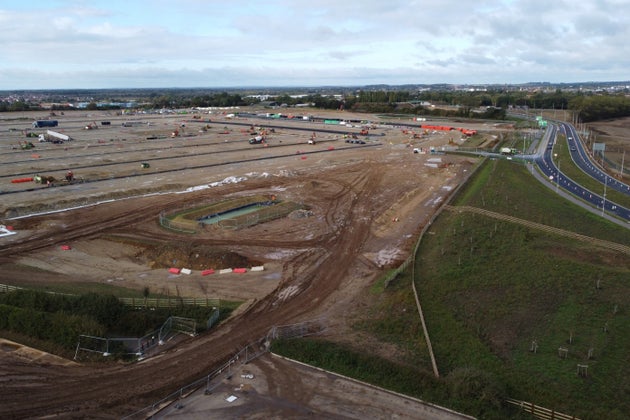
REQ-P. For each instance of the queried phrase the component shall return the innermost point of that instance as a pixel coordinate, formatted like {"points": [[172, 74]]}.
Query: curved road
{"points": [[543, 159]]}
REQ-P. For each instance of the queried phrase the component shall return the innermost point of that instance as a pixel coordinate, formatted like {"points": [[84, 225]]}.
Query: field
{"points": [[366, 204]]}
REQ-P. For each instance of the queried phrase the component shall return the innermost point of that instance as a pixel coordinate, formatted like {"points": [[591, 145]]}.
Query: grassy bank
{"points": [[500, 300]]}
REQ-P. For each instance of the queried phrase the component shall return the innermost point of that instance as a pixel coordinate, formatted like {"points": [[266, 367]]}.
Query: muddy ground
{"points": [[367, 204]]}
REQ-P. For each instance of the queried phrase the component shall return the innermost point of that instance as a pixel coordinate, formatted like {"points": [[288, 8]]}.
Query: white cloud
{"points": [[279, 42]]}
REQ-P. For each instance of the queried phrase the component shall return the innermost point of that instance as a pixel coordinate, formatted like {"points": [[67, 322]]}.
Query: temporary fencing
{"points": [[248, 353]]}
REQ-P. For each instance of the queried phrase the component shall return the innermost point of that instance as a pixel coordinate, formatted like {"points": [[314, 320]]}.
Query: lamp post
{"points": [[604, 200], [558, 174]]}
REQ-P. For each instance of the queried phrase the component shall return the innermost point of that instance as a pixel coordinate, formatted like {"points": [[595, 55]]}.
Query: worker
{"points": [[69, 176]]}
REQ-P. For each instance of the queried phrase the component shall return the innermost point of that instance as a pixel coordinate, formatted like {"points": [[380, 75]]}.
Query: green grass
{"points": [[508, 188], [489, 289]]}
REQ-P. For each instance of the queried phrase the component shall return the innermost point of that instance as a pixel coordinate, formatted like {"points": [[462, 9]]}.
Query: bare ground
{"points": [[367, 203]]}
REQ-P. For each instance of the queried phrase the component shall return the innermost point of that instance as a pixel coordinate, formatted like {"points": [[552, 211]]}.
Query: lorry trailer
{"points": [[45, 123]]}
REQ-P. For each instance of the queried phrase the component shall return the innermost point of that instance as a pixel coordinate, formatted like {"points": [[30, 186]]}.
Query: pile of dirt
{"points": [[193, 256]]}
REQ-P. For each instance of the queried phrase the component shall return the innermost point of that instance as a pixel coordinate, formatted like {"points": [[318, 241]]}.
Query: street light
{"points": [[604, 200], [558, 174]]}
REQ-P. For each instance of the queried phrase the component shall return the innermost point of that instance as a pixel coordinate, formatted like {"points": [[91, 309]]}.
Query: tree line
{"points": [[589, 106]]}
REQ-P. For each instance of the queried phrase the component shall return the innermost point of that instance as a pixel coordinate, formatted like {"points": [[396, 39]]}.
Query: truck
{"points": [[45, 123], [508, 151], [54, 137]]}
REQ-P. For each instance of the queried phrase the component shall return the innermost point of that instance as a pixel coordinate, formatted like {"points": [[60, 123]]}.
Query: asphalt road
{"points": [[544, 161]]}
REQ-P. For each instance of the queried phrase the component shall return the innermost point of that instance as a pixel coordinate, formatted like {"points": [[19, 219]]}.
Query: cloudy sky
{"points": [[242, 43]]}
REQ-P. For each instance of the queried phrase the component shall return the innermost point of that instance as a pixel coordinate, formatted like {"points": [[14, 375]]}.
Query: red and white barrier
{"points": [[209, 271]]}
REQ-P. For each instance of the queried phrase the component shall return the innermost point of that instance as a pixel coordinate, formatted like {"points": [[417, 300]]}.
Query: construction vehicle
{"points": [[257, 140], [27, 145], [91, 126], [44, 179]]}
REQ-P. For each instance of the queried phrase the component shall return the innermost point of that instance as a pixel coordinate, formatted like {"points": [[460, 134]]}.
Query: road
{"points": [[545, 163]]}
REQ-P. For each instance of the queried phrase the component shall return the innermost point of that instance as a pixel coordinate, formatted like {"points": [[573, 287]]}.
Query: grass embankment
{"points": [[490, 291]]}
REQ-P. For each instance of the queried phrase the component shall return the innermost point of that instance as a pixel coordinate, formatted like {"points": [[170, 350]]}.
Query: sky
{"points": [[94, 44]]}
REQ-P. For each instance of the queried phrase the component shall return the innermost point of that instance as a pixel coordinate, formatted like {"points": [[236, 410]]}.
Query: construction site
{"points": [[132, 197]]}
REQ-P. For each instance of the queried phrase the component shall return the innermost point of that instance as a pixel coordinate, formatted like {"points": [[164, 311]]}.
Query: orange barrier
{"points": [[207, 272], [66, 247], [239, 270], [18, 180], [173, 270]]}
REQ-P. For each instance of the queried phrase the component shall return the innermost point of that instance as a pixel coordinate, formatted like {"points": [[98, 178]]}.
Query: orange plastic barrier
{"points": [[18, 180], [239, 270], [207, 272], [66, 247], [174, 270]]}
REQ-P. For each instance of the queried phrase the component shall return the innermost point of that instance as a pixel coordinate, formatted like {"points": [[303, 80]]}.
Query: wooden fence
{"points": [[540, 412], [171, 302]]}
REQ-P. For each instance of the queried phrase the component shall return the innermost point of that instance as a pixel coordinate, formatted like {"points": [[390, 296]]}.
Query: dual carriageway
{"points": [[545, 162]]}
